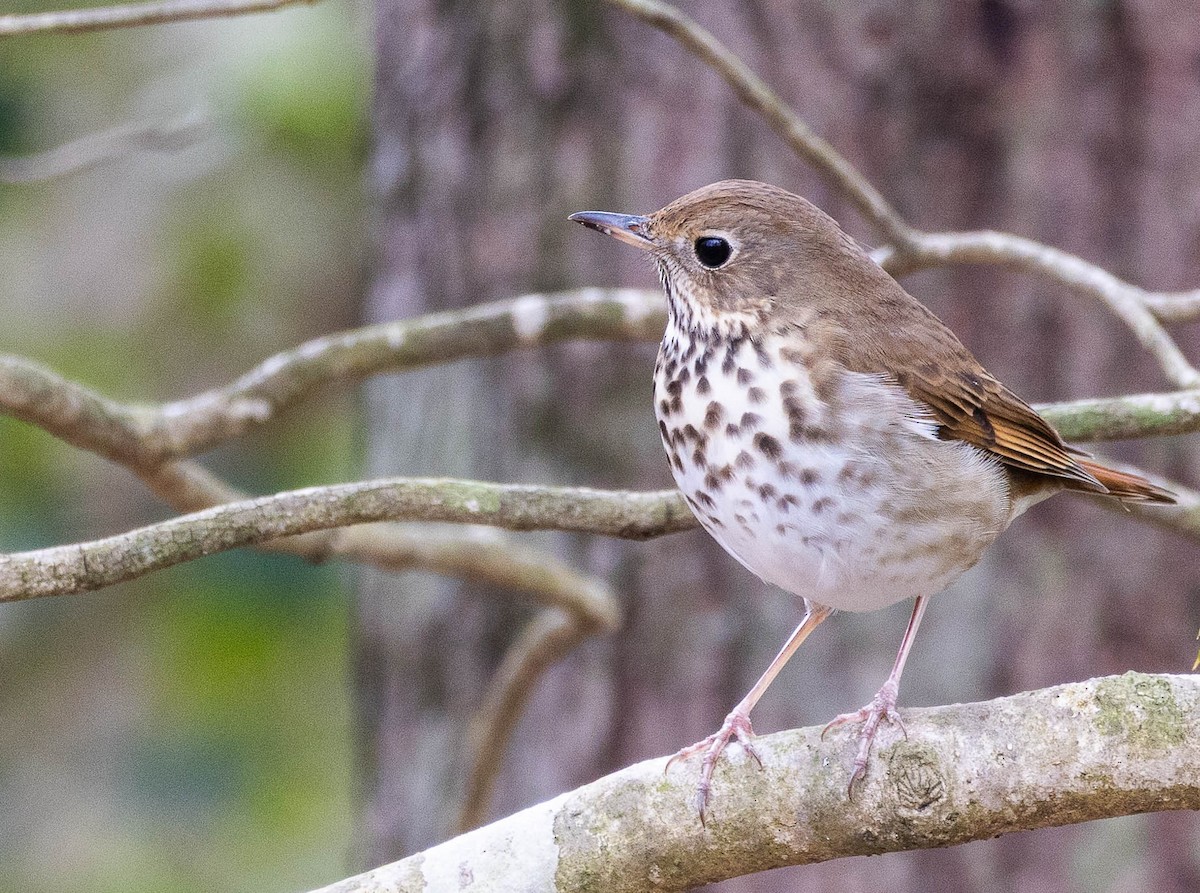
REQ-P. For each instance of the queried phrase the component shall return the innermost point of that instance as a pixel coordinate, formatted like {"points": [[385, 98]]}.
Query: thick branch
{"points": [[1113, 746], [103, 18], [77, 568]]}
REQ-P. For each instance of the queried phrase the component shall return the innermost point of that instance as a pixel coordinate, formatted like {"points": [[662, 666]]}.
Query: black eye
{"points": [[712, 251]]}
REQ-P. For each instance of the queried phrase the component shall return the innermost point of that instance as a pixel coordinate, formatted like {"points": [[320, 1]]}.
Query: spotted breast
{"points": [[795, 467]]}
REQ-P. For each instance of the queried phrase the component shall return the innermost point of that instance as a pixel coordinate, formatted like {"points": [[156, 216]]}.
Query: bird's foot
{"points": [[736, 725], [882, 707]]}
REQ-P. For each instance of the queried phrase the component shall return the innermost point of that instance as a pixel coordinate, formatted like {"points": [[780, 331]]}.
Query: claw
{"points": [[882, 707], [736, 726]]}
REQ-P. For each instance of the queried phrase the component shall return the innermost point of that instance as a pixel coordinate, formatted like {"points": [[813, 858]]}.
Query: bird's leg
{"points": [[737, 723], [883, 705]]}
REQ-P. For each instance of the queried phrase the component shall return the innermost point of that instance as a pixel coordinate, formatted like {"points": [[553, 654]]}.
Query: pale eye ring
{"points": [[712, 251]]}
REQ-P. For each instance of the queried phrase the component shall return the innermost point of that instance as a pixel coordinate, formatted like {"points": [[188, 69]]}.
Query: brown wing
{"points": [[881, 328], [970, 405]]}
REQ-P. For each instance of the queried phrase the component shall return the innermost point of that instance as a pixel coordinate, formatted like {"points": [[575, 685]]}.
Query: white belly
{"points": [[881, 512]]}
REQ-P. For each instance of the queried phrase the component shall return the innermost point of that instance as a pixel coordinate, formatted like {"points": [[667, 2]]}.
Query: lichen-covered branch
{"points": [[103, 18], [1128, 416], [62, 570], [1113, 746]]}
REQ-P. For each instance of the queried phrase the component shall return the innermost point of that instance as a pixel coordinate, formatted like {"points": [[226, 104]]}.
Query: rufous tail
{"points": [[1127, 487]]}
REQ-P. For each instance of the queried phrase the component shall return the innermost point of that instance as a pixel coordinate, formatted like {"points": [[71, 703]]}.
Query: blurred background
{"points": [[192, 730], [253, 722]]}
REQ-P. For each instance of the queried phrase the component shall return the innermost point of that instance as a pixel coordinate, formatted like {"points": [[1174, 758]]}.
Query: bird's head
{"points": [[737, 252]]}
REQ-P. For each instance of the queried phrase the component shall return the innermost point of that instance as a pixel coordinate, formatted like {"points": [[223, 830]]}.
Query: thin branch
{"points": [[146, 435], [97, 148], [986, 247], [63, 570], [1113, 746], [754, 93], [910, 248], [1126, 417], [581, 605], [143, 436], [549, 638], [480, 554], [104, 18], [1173, 306]]}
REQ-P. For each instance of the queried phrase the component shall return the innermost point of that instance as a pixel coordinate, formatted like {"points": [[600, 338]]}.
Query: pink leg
{"points": [[737, 723], [883, 705]]}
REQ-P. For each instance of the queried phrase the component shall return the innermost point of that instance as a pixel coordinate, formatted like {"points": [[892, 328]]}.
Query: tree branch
{"points": [[62, 570], [549, 638], [1113, 746], [146, 435], [754, 93], [1126, 301], [97, 148], [103, 18], [910, 248]]}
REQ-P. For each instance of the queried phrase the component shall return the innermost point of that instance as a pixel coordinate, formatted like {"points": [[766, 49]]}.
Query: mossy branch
{"points": [[1108, 747]]}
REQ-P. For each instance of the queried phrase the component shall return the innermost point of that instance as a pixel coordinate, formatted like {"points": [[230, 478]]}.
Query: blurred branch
{"points": [[63, 570], [577, 606], [109, 145], [550, 637], [913, 249], [1126, 301], [103, 18], [147, 435], [754, 92], [1113, 746]]}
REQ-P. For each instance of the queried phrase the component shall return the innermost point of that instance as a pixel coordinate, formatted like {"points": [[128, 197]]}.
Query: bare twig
{"points": [[483, 555], [97, 148], [62, 570], [1124, 300], [754, 92], [910, 248], [103, 18], [1176, 306], [146, 435], [1118, 745], [549, 638]]}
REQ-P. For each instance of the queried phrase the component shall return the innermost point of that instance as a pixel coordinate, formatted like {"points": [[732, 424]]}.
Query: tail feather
{"points": [[1125, 486]]}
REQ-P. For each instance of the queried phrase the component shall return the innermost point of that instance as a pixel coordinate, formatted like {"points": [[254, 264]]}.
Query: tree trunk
{"points": [[1072, 123]]}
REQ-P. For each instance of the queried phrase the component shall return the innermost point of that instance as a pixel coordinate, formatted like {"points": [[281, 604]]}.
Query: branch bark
{"points": [[1117, 745], [62, 570], [146, 435]]}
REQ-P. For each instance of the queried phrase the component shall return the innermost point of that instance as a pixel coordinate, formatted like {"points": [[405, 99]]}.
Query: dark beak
{"points": [[626, 227]]}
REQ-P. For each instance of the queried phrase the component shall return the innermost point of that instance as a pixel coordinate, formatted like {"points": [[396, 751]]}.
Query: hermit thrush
{"points": [[826, 428]]}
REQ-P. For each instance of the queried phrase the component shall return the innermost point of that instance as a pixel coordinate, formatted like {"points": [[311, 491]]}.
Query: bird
{"points": [[827, 429]]}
